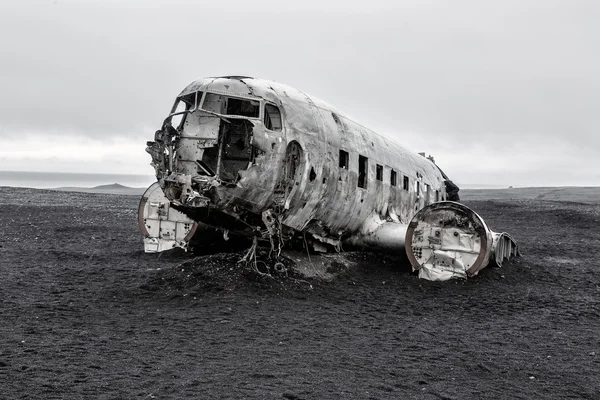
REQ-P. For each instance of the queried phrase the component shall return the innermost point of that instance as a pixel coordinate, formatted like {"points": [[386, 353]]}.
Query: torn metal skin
{"points": [[260, 159]]}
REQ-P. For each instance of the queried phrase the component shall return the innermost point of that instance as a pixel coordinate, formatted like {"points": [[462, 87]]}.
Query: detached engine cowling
{"points": [[449, 240]]}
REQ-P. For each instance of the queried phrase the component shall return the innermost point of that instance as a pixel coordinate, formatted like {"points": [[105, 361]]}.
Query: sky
{"points": [[500, 92]]}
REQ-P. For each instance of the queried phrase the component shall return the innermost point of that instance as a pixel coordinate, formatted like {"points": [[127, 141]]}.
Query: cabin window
{"points": [[272, 118], [393, 178], [405, 183], [225, 105], [437, 196], [363, 170], [379, 172], [418, 188], [344, 159]]}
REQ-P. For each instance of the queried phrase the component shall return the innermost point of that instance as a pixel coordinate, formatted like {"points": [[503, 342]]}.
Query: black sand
{"points": [[86, 314]]}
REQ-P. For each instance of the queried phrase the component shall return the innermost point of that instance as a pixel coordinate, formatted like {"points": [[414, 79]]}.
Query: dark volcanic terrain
{"points": [[86, 314]]}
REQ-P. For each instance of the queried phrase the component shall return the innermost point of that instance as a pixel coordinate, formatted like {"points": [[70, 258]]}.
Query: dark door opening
{"points": [[363, 170]]}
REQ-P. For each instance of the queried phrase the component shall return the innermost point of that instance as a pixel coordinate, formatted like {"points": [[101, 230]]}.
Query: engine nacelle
{"points": [[449, 240]]}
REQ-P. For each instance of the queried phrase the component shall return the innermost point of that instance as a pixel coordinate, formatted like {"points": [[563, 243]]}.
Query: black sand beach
{"points": [[86, 314]]}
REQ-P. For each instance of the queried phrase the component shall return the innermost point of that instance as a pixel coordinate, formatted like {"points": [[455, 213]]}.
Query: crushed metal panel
{"points": [[504, 247]]}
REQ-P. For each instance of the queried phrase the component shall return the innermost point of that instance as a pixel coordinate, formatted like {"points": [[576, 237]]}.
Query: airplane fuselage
{"points": [[247, 145], [260, 159]]}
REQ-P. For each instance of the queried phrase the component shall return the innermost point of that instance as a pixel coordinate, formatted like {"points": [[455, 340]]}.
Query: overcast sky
{"points": [[501, 92]]}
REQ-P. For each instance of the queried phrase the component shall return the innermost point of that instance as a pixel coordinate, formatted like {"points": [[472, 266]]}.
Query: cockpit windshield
{"points": [[226, 105], [183, 103]]}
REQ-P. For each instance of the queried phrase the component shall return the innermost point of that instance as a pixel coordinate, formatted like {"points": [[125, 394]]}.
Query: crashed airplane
{"points": [[259, 159]]}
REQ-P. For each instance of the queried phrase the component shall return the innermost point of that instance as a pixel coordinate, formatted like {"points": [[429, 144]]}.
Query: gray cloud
{"points": [[438, 72]]}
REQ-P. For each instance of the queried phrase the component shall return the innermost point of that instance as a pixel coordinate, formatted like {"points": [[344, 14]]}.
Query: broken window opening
{"points": [[204, 169], [437, 196], [405, 184], [184, 103], [393, 178], [233, 152], [272, 118], [225, 105], [344, 159], [363, 170], [379, 172], [417, 188]]}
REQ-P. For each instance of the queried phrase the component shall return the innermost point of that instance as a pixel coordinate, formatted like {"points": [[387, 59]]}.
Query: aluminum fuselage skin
{"points": [[317, 195]]}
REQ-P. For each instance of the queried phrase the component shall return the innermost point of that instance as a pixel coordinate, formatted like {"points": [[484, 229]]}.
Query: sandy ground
{"points": [[86, 314], [580, 194]]}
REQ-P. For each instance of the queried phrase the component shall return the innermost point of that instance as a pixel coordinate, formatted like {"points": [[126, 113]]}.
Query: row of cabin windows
{"points": [[363, 169]]}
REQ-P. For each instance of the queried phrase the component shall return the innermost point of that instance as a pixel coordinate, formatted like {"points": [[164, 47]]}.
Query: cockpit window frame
{"points": [[179, 98], [193, 107], [237, 97]]}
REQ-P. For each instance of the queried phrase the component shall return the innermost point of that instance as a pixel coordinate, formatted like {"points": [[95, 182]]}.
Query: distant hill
{"points": [[566, 193], [113, 188]]}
